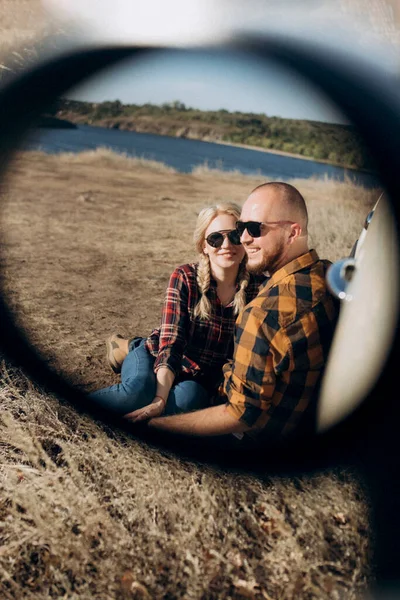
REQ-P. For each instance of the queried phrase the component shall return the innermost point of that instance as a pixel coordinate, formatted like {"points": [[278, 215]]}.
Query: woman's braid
{"points": [[203, 307], [243, 276]]}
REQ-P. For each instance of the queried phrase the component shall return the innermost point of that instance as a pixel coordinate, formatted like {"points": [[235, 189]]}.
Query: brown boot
{"points": [[116, 353]]}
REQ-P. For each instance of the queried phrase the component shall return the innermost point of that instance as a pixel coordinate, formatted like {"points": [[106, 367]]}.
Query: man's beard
{"points": [[257, 269], [268, 262]]}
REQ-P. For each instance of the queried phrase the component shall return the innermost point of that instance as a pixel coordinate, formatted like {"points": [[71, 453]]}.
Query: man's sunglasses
{"points": [[254, 227], [216, 239]]}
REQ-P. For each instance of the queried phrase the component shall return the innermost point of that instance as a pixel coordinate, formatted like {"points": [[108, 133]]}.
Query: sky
{"points": [[211, 81], [366, 30]]}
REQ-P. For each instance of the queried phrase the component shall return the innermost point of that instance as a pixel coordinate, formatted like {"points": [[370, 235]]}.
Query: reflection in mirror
{"points": [[101, 203], [369, 314]]}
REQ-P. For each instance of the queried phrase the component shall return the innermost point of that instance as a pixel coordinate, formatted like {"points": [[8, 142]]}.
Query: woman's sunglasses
{"points": [[254, 227], [216, 239]]}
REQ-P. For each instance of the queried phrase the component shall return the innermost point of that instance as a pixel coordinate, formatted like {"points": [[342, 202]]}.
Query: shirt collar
{"points": [[301, 262]]}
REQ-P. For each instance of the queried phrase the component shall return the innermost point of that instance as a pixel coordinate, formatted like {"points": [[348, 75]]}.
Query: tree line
{"points": [[334, 143]]}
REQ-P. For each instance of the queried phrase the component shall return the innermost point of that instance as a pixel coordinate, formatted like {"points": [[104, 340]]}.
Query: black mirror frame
{"points": [[368, 435]]}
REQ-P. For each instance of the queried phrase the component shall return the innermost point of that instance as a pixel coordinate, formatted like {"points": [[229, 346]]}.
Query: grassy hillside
{"points": [[337, 144]]}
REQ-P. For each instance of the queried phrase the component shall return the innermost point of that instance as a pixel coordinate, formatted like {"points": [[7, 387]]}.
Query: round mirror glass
{"points": [[101, 202]]}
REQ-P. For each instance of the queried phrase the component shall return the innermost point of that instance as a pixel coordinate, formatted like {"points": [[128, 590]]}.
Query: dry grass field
{"points": [[89, 511], [24, 25]]}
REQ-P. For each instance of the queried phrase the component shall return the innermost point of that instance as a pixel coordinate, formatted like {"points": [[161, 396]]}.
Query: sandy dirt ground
{"points": [[90, 241]]}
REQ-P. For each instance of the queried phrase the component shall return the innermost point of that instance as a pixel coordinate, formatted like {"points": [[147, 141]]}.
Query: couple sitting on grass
{"points": [[244, 334]]}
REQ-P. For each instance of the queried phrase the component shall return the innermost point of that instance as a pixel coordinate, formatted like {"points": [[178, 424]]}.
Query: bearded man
{"points": [[282, 336]]}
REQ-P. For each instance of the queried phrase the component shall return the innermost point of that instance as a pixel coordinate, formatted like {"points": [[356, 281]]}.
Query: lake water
{"points": [[184, 154]]}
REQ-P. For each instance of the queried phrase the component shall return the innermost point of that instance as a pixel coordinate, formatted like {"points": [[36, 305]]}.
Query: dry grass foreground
{"points": [[87, 511], [24, 28]]}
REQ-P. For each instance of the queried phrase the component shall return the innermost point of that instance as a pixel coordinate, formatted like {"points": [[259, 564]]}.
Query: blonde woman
{"points": [[179, 366]]}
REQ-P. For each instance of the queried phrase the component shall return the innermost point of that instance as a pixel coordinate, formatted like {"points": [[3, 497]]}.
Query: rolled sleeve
{"points": [[174, 323], [250, 380]]}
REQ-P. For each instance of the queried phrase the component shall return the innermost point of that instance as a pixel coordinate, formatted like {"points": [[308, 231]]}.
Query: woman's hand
{"points": [[155, 409]]}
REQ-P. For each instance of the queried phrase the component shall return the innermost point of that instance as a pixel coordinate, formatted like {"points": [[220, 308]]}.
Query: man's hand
{"points": [[155, 409]]}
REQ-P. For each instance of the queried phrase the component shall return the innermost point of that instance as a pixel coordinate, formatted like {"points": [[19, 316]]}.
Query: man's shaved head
{"points": [[284, 201]]}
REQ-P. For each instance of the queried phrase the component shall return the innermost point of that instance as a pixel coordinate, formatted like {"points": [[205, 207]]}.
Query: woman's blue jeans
{"points": [[138, 388]]}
